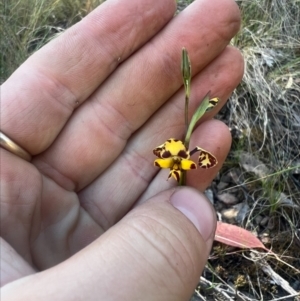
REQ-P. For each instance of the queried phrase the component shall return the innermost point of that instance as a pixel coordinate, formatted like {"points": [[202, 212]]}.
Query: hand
{"points": [[90, 217]]}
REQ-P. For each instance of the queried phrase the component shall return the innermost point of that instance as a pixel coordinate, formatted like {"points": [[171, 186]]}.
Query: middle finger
{"points": [[99, 130]]}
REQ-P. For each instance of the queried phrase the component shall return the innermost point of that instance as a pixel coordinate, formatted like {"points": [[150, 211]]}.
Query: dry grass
{"points": [[26, 25], [265, 109]]}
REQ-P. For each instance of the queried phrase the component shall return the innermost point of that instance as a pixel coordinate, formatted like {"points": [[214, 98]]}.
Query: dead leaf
{"points": [[235, 236]]}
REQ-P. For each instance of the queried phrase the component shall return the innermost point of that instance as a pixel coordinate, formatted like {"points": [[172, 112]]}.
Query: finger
{"points": [[13, 266], [38, 99], [216, 142], [110, 196], [212, 136], [157, 252], [20, 187], [98, 132]]}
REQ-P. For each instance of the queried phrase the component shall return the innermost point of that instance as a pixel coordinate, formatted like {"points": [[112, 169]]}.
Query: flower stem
{"points": [[186, 76]]}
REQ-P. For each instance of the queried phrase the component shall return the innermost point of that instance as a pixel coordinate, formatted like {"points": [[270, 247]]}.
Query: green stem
{"points": [[186, 72], [182, 181], [186, 76], [186, 114]]}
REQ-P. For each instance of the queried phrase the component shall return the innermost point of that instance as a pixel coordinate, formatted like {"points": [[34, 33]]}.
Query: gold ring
{"points": [[13, 147]]}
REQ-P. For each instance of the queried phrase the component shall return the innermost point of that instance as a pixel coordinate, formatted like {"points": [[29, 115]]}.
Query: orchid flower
{"points": [[174, 154]]}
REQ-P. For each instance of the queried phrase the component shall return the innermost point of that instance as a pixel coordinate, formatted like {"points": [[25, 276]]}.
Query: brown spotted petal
{"points": [[175, 174], [206, 159]]}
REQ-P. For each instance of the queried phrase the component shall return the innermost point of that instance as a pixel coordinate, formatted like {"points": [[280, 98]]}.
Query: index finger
{"points": [[40, 96]]}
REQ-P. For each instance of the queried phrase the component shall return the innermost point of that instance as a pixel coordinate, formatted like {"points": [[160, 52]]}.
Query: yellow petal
{"points": [[164, 163], [188, 164], [175, 147]]}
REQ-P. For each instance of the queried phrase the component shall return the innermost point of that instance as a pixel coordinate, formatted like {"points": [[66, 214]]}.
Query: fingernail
{"points": [[197, 209]]}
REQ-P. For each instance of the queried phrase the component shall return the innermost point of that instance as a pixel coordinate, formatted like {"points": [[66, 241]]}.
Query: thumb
{"points": [[156, 252]]}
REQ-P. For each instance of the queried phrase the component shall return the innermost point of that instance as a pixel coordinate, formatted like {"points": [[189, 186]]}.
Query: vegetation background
{"points": [[258, 188]]}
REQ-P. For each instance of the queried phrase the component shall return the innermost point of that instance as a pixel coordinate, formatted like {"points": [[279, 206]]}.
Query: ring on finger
{"points": [[13, 147]]}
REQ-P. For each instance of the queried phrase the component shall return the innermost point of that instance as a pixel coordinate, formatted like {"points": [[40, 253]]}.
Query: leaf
{"points": [[205, 106], [235, 236]]}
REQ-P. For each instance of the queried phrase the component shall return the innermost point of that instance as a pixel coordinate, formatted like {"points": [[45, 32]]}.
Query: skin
{"points": [[90, 217]]}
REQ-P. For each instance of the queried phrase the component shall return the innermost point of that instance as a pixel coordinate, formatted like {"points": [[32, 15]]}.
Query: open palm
{"points": [[90, 106]]}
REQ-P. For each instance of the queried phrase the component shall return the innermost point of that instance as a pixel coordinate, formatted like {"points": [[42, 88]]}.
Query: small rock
{"points": [[264, 221], [232, 213], [265, 238], [286, 201], [271, 224], [242, 212], [235, 175], [258, 219], [226, 178], [222, 185], [227, 198], [251, 164]]}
